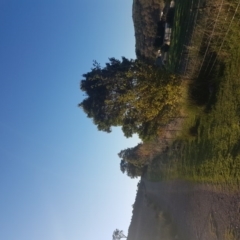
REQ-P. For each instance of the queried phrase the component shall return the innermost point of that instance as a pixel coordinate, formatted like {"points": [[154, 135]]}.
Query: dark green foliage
{"points": [[134, 156], [135, 160], [131, 170], [132, 94], [103, 86]]}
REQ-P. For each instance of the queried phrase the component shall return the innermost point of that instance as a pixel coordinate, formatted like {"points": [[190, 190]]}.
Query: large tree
{"points": [[131, 94]]}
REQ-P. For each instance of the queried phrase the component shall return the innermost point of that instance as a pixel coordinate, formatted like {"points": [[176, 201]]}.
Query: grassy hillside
{"points": [[202, 145], [206, 147]]}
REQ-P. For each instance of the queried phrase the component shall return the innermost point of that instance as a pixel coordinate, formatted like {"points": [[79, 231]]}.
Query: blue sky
{"points": [[59, 176]]}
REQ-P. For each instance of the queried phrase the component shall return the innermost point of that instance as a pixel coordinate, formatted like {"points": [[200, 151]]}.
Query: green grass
{"points": [[214, 154], [183, 21], [210, 138]]}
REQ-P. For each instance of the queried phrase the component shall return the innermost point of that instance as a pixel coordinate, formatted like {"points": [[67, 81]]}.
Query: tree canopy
{"points": [[134, 156], [135, 160], [130, 93], [130, 169]]}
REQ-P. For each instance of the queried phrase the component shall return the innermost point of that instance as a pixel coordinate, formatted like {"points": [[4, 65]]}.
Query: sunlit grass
{"points": [[210, 138]]}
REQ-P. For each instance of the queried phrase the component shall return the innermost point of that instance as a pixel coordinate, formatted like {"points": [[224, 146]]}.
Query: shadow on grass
{"points": [[203, 89]]}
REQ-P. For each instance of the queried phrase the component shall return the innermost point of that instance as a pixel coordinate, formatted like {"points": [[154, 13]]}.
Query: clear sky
{"points": [[59, 176]]}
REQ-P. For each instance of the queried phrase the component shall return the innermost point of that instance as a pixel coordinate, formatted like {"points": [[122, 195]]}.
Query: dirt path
{"points": [[198, 211]]}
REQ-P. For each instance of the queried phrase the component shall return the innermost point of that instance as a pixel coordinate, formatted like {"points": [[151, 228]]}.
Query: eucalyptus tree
{"points": [[130, 93]]}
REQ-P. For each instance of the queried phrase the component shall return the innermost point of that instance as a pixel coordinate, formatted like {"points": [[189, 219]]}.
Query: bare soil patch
{"points": [[199, 211]]}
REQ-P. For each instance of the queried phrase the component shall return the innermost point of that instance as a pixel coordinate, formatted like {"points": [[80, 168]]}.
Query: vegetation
{"points": [[132, 94], [146, 15], [179, 118], [181, 31], [187, 116], [118, 234], [134, 161], [207, 148]]}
